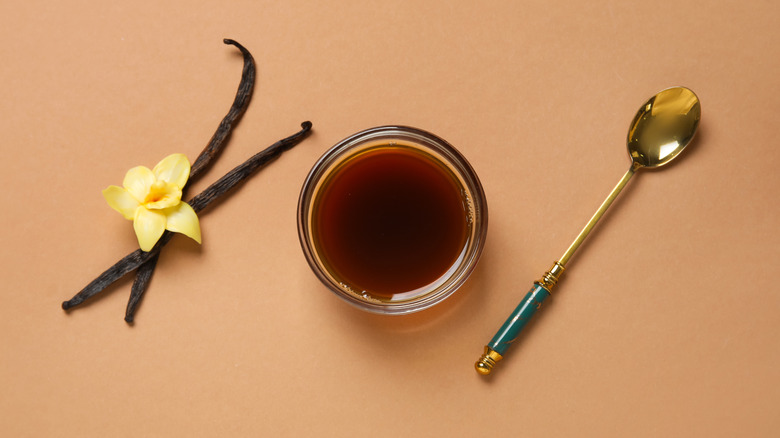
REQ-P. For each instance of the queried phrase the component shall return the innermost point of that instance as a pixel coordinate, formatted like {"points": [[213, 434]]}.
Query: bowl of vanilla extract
{"points": [[392, 219]]}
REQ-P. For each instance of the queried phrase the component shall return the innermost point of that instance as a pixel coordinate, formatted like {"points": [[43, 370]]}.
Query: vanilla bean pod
{"points": [[211, 151], [243, 96], [135, 259], [241, 172], [143, 275]]}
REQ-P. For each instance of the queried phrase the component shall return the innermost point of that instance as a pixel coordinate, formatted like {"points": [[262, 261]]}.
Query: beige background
{"points": [[665, 325]]}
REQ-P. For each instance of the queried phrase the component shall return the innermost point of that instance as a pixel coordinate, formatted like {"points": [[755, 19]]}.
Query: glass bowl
{"points": [[324, 183]]}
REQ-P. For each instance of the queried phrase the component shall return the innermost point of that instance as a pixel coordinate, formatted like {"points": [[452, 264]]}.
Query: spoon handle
{"points": [[494, 351], [514, 324], [597, 216]]}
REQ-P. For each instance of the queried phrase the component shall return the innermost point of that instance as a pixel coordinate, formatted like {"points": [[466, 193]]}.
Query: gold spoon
{"points": [[661, 129]]}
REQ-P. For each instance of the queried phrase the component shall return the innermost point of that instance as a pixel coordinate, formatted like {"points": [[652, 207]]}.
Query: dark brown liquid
{"points": [[390, 221]]}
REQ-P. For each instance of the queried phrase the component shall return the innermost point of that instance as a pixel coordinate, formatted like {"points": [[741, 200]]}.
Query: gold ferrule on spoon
{"points": [[551, 277], [485, 364]]}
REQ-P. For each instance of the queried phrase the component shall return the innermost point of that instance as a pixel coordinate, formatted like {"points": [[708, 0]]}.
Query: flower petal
{"points": [[137, 182], [182, 219], [121, 200], [149, 226], [174, 168]]}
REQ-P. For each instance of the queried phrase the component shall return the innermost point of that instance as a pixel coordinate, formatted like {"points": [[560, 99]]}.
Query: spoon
{"points": [[661, 129]]}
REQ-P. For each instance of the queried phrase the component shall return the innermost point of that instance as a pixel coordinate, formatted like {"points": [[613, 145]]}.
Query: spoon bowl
{"points": [[663, 127]]}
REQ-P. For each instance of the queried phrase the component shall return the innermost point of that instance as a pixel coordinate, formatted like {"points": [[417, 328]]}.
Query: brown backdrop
{"points": [[665, 325]]}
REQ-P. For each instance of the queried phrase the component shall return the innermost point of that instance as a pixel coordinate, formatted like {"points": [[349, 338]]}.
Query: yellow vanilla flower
{"points": [[152, 200]]}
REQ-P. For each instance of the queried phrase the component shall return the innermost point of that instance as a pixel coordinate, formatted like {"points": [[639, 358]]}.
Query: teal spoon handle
{"points": [[518, 319], [506, 335]]}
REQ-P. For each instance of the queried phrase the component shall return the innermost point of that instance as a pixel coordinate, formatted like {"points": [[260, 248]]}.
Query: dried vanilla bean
{"points": [[244, 170], [243, 96], [222, 186], [212, 150], [141, 283]]}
